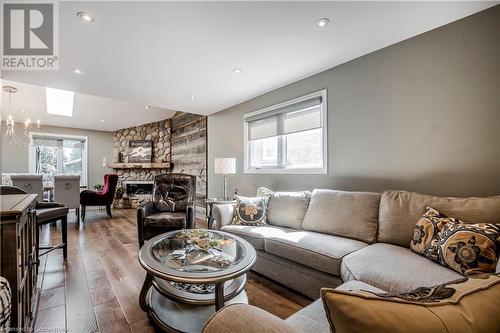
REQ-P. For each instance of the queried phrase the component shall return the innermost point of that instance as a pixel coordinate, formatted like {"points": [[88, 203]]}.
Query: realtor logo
{"points": [[29, 36]]}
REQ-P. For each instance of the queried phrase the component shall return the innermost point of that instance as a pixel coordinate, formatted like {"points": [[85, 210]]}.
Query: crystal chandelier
{"points": [[10, 136]]}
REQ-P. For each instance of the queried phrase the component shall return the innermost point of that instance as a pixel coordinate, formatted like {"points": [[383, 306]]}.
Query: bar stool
{"points": [[46, 212]]}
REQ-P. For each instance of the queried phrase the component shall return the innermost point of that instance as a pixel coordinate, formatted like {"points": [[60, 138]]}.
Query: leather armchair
{"points": [[173, 206]]}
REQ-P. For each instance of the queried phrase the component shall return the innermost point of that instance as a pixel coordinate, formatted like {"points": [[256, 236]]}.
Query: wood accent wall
{"points": [[189, 152]]}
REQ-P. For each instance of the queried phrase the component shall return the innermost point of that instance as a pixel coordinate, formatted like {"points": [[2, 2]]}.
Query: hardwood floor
{"points": [[97, 289]]}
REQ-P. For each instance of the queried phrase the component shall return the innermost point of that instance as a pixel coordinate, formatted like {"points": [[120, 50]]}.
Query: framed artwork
{"points": [[140, 151]]}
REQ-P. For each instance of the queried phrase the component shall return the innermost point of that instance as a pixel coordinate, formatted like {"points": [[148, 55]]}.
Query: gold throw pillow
{"points": [[470, 305]]}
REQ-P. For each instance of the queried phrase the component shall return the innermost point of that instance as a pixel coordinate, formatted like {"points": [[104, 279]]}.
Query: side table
{"points": [[210, 205]]}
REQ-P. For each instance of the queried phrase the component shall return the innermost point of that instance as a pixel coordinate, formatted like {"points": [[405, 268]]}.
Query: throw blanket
{"points": [[5, 304]]}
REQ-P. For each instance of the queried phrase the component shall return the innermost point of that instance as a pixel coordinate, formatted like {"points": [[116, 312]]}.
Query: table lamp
{"points": [[225, 166]]}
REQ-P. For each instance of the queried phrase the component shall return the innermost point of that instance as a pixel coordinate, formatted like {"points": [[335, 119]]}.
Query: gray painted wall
{"points": [[421, 115], [100, 145]]}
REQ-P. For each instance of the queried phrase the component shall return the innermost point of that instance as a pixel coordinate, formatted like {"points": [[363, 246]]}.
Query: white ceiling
{"points": [[160, 53], [88, 110]]}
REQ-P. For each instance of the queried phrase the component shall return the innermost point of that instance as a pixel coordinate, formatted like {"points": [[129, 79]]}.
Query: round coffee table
{"points": [[191, 274]]}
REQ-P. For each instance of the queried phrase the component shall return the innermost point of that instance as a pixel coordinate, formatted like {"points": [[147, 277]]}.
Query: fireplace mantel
{"points": [[166, 165]]}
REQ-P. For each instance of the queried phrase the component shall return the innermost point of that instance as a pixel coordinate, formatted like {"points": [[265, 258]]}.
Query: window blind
{"points": [[56, 142], [298, 117]]}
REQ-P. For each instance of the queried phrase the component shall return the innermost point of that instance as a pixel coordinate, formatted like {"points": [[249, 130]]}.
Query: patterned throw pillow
{"points": [[470, 249], [250, 211], [425, 236]]}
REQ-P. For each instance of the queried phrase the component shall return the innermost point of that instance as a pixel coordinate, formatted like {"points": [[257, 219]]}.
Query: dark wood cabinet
{"points": [[18, 262]]}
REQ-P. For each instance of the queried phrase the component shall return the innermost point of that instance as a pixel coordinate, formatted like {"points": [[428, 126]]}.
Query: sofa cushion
{"points": [[394, 268], [312, 249], [354, 285], [400, 210], [312, 318], [255, 235], [349, 214], [463, 306], [286, 209]]}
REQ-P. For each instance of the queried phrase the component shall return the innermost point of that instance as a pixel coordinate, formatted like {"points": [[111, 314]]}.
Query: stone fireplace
{"points": [[178, 145]]}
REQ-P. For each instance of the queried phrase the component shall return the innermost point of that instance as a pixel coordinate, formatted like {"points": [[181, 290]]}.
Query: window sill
{"points": [[288, 172]]}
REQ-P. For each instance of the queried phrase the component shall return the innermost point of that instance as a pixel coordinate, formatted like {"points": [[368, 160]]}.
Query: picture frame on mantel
{"points": [[140, 151]]}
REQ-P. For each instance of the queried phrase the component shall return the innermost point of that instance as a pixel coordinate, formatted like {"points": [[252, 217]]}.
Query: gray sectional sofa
{"points": [[325, 238], [349, 241]]}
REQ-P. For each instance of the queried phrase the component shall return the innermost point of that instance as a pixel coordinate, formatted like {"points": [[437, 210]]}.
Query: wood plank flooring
{"points": [[97, 289]]}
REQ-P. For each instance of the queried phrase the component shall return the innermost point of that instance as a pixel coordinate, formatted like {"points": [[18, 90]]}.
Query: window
{"points": [[59, 102], [288, 138], [52, 155]]}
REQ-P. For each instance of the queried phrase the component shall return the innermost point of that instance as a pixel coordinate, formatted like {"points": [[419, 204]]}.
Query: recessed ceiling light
{"points": [[102, 120], [236, 70], [192, 97], [77, 71], [147, 107], [321, 23], [86, 17]]}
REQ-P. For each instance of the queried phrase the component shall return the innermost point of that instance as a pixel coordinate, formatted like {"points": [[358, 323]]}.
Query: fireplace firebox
{"points": [[138, 188]]}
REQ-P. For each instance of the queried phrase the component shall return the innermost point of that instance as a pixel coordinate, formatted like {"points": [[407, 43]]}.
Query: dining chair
{"points": [[67, 191], [31, 183]]}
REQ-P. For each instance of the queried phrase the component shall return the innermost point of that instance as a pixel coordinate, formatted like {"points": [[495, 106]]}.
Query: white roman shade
{"points": [[56, 142], [289, 137], [297, 117]]}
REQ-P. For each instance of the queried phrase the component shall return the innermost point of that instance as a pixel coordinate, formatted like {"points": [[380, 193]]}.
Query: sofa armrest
{"points": [[242, 318], [146, 209], [223, 215]]}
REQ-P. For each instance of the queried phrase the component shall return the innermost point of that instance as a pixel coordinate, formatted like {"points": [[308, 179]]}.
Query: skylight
{"points": [[59, 102]]}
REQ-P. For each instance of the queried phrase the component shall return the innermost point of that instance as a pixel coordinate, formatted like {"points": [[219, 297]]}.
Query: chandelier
{"points": [[10, 136]]}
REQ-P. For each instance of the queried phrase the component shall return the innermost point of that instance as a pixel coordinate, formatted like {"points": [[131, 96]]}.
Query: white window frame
{"points": [[324, 127], [31, 152]]}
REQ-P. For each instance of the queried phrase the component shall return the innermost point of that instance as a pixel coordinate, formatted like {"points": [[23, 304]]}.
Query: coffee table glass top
{"points": [[197, 255], [197, 251]]}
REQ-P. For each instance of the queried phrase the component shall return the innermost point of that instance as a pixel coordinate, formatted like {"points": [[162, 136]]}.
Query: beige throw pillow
{"points": [[286, 209]]}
